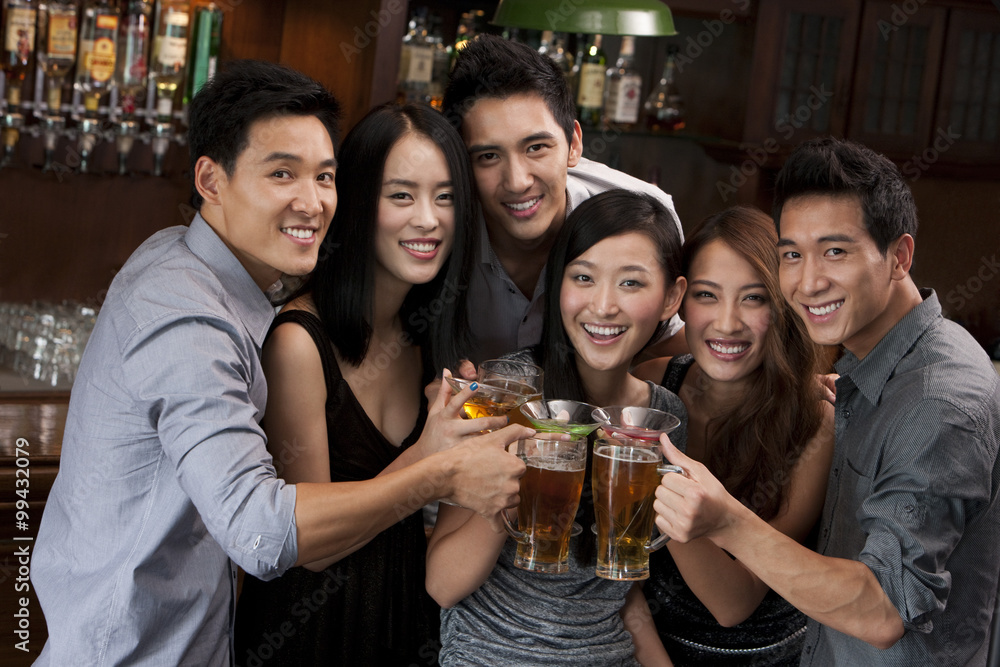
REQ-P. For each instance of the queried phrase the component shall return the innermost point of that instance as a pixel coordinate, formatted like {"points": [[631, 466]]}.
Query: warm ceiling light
{"points": [[607, 17]]}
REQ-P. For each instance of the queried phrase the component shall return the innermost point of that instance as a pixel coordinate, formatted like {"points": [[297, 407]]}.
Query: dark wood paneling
{"points": [[250, 29], [66, 235], [339, 53]]}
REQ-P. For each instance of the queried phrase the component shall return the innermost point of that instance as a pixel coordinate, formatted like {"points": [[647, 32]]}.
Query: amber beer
{"points": [[550, 496], [624, 481]]}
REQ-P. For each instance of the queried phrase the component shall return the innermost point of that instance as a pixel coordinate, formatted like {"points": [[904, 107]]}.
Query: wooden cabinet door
{"points": [[968, 111], [896, 79], [801, 74]]}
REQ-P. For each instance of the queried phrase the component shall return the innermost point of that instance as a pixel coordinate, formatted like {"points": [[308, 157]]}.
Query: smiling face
{"points": [[726, 313], [612, 298], [833, 274], [519, 160], [416, 213], [275, 208]]}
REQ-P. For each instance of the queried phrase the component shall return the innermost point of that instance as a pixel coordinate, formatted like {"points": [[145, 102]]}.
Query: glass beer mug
{"points": [[550, 496], [625, 475]]}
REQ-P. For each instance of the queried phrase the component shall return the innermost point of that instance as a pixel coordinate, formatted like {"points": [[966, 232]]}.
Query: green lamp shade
{"points": [[607, 17]]}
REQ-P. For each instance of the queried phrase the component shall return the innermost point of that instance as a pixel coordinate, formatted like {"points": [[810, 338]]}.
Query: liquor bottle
{"points": [[466, 31], [574, 73], [57, 35], [590, 98], [545, 45], [97, 53], [416, 61], [132, 71], [441, 63], [18, 46], [624, 90], [561, 56], [664, 107], [169, 54], [206, 39]]}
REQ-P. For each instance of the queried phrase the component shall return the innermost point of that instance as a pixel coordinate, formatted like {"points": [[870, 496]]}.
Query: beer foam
{"points": [[628, 454], [555, 463]]}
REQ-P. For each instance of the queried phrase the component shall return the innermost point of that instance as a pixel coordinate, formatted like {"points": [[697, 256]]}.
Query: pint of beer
{"points": [[625, 476], [550, 495]]}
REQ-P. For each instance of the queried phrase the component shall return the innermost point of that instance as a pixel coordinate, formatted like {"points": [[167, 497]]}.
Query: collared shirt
{"points": [[164, 474], [501, 317], [913, 491]]}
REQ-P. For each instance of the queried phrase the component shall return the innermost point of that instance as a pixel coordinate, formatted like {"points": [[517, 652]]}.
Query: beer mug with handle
{"points": [[625, 475], [550, 496]]}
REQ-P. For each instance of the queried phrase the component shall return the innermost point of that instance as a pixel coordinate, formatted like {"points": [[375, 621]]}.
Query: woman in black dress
{"points": [[346, 362], [756, 420]]}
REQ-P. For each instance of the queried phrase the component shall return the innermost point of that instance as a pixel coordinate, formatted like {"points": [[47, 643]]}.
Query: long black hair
{"points": [[343, 284]]}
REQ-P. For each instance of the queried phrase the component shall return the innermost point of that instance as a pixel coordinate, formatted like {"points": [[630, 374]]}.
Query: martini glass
{"points": [[560, 416], [516, 375], [494, 398], [644, 424]]}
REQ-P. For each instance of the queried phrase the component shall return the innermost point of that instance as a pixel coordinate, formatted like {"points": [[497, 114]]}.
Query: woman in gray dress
{"points": [[613, 278]]}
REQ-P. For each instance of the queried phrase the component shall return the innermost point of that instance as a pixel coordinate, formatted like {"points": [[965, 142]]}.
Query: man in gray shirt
{"points": [[909, 543], [165, 485], [514, 110]]}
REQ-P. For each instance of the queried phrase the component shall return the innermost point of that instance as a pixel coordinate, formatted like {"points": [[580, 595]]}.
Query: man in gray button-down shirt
{"points": [[909, 543], [165, 484]]}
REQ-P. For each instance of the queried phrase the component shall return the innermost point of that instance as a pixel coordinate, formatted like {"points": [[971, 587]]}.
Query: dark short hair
{"points": [[607, 214], [343, 283], [838, 168], [240, 94], [490, 66]]}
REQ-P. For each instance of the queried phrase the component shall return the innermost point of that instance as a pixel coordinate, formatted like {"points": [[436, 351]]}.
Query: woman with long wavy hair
{"points": [[756, 420]]}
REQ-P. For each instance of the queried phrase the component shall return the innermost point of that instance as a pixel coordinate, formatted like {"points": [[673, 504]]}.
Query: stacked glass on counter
{"points": [[132, 66], [43, 341]]}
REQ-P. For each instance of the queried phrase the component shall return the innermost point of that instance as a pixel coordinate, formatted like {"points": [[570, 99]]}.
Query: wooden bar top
{"points": [[39, 419]]}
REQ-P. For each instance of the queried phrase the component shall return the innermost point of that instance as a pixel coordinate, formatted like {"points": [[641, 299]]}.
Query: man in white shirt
{"points": [[517, 117]]}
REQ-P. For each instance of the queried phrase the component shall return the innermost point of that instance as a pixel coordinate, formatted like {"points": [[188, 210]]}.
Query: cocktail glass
{"points": [[633, 422], [560, 416], [494, 397]]}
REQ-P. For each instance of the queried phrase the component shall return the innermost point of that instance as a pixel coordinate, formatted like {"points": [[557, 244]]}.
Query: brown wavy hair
{"points": [[755, 445]]}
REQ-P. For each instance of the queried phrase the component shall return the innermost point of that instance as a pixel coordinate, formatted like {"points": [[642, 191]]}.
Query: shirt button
{"points": [[836, 472], [510, 289], [256, 543], [846, 413]]}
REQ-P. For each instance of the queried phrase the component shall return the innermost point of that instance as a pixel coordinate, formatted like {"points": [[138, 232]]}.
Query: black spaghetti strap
{"points": [[677, 368], [314, 327]]}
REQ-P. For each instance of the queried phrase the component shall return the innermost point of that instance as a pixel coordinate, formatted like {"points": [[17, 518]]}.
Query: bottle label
{"points": [[623, 99], [20, 37], [591, 85], [173, 44], [100, 62], [62, 36], [107, 22], [173, 52], [421, 64]]}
